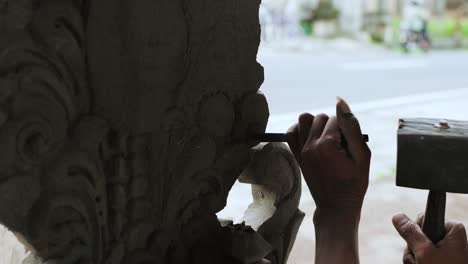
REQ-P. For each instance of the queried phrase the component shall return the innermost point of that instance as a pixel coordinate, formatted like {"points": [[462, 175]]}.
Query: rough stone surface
{"points": [[124, 125]]}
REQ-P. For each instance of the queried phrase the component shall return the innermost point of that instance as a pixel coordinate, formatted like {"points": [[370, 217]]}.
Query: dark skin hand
{"points": [[453, 249], [335, 163]]}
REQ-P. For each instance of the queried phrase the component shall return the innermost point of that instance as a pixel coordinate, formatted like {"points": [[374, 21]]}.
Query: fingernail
{"points": [[344, 107], [400, 219]]}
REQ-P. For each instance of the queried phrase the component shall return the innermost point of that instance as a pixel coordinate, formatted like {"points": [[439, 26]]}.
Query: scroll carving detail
{"points": [[124, 125]]}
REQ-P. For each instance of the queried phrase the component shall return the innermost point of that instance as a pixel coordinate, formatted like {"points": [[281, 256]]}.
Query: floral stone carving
{"points": [[124, 125]]}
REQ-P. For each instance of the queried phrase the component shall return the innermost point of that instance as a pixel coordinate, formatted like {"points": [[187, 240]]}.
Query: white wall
{"points": [[351, 14]]}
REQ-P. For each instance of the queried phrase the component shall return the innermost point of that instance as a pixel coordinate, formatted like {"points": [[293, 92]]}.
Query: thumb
{"points": [[411, 233], [349, 126]]}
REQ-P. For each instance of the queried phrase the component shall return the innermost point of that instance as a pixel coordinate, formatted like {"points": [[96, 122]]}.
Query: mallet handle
{"points": [[434, 219]]}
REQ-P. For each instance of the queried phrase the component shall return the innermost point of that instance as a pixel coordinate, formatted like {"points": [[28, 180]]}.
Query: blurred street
{"points": [[309, 75]]}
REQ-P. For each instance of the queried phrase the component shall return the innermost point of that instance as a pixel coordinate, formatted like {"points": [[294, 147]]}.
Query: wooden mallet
{"points": [[433, 155]]}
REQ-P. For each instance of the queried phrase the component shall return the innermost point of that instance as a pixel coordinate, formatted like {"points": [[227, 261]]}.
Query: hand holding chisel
{"points": [[281, 137]]}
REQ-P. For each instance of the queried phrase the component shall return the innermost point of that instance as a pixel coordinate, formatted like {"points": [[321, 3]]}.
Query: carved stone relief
{"points": [[124, 125]]}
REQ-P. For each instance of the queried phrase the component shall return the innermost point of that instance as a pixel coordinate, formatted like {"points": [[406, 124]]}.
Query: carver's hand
{"points": [[335, 164], [453, 249], [333, 158]]}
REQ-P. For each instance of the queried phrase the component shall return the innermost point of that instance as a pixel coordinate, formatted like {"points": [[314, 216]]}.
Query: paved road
{"points": [[304, 81]]}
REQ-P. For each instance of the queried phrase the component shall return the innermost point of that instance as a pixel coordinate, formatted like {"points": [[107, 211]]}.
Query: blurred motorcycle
{"points": [[410, 39], [413, 32]]}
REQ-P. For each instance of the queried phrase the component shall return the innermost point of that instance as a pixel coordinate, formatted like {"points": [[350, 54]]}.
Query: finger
{"points": [[317, 127], [305, 123], [420, 219], [331, 128], [411, 233], [408, 257], [332, 137], [351, 129], [293, 139], [455, 230]]}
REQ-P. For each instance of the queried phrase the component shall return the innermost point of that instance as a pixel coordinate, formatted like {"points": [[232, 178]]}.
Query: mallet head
{"points": [[433, 155]]}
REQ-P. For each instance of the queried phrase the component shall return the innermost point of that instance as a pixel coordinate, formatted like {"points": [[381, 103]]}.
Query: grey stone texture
{"points": [[124, 125]]}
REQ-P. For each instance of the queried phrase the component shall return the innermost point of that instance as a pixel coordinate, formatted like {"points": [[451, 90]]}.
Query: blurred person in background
{"points": [[335, 163], [280, 18], [414, 26]]}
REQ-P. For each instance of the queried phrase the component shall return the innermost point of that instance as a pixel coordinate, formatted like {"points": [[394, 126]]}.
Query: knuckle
{"points": [[459, 227], [307, 151], [321, 145], [305, 117], [408, 229], [329, 139], [423, 251], [308, 156], [322, 116]]}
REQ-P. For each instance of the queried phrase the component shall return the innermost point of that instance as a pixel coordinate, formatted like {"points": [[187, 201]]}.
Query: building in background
{"points": [[280, 18], [351, 15]]}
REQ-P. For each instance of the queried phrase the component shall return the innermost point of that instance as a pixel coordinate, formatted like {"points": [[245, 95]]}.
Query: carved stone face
{"points": [[126, 125]]}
